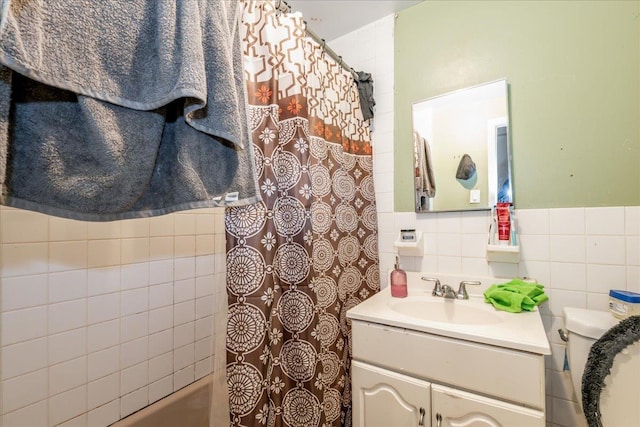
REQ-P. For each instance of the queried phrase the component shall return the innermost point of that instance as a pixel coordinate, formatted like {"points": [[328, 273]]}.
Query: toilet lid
{"points": [[599, 364]]}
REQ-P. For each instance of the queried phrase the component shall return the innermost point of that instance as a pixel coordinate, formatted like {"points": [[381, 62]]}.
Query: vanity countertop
{"points": [[471, 320]]}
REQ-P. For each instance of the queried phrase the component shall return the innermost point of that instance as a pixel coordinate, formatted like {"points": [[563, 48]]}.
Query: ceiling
{"points": [[330, 19]]}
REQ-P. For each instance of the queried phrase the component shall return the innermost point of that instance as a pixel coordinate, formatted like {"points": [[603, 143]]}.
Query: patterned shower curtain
{"points": [[297, 261]]}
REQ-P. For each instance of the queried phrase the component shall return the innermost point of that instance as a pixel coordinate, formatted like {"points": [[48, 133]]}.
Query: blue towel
{"points": [[124, 108]]}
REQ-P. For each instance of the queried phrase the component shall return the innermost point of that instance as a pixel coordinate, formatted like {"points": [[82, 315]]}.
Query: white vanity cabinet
{"points": [[400, 374], [382, 398], [452, 408]]}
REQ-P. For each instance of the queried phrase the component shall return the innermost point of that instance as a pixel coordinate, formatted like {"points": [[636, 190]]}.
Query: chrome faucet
{"points": [[437, 288], [448, 292]]}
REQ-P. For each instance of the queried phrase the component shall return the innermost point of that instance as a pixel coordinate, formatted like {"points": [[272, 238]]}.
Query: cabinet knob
{"points": [[438, 420]]}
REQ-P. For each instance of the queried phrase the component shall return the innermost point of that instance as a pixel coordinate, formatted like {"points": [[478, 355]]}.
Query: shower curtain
{"points": [[308, 252]]}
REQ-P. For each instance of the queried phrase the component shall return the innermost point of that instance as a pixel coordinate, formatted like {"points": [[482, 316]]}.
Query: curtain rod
{"points": [[283, 6]]}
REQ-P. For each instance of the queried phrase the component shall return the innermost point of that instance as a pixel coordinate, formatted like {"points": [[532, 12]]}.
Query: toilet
{"points": [[620, 398]]}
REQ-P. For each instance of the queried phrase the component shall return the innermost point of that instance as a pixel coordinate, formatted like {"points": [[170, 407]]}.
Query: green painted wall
{"points": [[573, 69]]}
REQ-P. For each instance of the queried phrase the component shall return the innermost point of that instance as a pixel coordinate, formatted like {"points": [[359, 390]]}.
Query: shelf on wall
{"points": [[503, 253], [413, 248]]}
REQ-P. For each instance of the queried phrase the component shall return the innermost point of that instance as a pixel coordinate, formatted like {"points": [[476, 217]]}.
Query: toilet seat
{"points": [[599, 364]]}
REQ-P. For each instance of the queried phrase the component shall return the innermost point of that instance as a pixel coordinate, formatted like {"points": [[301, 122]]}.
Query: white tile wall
{"points": [[98, 320], [577, 253]]}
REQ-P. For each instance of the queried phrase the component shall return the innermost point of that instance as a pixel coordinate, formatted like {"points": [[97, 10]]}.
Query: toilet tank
{"points": [[584, 328]]}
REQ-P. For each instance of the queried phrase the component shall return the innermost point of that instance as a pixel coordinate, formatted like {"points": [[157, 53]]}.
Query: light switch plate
{"points": [[474, 196]]}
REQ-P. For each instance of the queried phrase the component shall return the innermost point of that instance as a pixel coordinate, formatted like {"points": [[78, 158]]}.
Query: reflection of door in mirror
{"points": [[461, 147], [504, 169]]}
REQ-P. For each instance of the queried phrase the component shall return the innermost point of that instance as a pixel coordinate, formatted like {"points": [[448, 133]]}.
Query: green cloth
{"points": [[515, 296]]}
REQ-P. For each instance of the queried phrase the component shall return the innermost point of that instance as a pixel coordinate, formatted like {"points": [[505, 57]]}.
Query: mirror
{"points": [[461, 149]]}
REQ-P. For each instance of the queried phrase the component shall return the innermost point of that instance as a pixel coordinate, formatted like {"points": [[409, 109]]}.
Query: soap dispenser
{"points": [[398, 281]]}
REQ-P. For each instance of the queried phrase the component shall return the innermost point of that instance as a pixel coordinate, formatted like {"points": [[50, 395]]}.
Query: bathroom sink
{"points": [[446, 311], [471, 320]]}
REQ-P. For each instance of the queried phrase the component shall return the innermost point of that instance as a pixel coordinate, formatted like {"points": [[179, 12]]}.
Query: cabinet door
{"points": [[384, 398], [455, 408]]}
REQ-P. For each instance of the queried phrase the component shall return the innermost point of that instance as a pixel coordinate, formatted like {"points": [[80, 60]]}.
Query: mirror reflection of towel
{"points": [[425, 181]]}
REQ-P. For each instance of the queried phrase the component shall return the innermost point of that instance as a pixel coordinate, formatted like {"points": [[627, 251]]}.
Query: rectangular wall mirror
{"points": [[461, 149]]}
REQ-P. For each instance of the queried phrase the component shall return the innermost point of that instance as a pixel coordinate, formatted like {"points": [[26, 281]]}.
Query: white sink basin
{"points": [[442, 310], [471, 320]]}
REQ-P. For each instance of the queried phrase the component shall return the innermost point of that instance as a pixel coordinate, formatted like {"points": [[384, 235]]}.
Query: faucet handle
{"points": [[462, 290], [437, 288]]}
